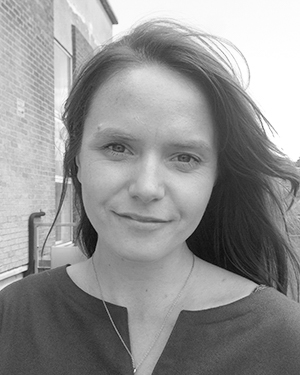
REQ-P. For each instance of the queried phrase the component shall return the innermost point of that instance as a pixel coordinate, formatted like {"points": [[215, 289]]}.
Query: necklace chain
{"points": [[171, 308]]}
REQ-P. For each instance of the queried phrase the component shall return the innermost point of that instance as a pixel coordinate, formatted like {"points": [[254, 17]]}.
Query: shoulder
{"points": [[277, 308], [31, 287], [277, 320], [31, 300], [215, 287], [231, 295]]}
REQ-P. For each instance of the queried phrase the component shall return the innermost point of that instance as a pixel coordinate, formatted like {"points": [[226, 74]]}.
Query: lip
{"points": [[141, 218]]}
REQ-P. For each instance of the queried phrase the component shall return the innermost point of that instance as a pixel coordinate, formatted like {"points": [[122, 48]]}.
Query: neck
{"points": [[140, 283]]}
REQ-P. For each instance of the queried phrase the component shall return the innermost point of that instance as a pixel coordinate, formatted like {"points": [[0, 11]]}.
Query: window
{"points": [[62, 83]]}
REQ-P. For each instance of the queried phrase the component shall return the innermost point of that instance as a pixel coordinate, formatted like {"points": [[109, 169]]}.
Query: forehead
{"points": [[153, 81], [155, 97]]}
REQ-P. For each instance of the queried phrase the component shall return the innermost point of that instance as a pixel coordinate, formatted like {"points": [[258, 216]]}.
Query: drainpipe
{"points": [[31, 242]]}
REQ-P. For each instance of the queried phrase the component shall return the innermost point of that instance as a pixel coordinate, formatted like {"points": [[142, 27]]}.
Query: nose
{"points": [[147, 183]]}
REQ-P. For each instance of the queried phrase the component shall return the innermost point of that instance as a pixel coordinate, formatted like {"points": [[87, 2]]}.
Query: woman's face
{"points": [[148, 162]]}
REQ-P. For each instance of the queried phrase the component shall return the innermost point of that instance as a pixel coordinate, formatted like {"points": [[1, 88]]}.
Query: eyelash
{"points": [[191, 163], [110, 149], [186, 155]]}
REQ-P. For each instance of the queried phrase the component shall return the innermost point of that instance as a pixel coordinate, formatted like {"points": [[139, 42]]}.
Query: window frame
{"points": [[63, 234]]}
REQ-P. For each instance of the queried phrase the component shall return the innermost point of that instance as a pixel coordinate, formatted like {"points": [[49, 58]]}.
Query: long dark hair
{"points": [[244, 228]]}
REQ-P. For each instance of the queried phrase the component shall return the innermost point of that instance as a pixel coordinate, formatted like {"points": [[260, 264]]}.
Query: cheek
{"points": [[95, 194], [100, 181], [194, 200]]}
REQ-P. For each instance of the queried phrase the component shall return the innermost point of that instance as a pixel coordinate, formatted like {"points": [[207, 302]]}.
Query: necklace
{"points": [[171, 308]]}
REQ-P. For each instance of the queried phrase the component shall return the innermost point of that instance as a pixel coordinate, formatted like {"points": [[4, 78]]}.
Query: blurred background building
{"points": [[42, 44]]}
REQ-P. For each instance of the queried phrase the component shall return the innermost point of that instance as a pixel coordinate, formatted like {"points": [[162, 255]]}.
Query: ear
{"points": [[77, 162]]}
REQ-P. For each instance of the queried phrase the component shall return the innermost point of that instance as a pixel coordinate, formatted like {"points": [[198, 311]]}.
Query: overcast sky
{"points": [[268, 34]]}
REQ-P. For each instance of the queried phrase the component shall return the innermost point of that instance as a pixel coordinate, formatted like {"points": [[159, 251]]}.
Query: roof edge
{"points": [[109, 11]]}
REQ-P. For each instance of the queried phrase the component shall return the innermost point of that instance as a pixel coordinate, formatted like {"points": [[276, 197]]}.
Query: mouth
{"points": [[141, 219]]}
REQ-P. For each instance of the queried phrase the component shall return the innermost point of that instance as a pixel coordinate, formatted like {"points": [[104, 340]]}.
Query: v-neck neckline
{"points": [[212, 315]]}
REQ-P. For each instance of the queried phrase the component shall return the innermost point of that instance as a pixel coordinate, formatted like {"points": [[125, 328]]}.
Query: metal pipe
{"points": [[56, 225], [31, 242]]}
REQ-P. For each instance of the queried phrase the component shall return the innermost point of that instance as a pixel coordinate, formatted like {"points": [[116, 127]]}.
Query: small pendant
{"points": [[134, 370]]}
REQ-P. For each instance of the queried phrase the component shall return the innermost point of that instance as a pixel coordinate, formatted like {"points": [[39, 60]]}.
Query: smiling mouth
{"points": [[142, 219]]}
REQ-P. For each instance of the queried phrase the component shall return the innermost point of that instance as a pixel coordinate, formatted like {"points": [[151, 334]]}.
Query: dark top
{"points": [[50, 326]]}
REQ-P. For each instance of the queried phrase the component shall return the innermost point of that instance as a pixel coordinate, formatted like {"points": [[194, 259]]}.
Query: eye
{"points": [[117, 151], [116, 147], [186, 162], [184, 158]]}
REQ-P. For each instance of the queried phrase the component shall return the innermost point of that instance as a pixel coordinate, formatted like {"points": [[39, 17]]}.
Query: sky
{"points": [[268, 34]]}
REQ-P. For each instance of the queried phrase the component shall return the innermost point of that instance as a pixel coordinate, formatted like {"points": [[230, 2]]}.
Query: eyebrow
{"points": [[191, 144], [120, 134], [114, 134]]}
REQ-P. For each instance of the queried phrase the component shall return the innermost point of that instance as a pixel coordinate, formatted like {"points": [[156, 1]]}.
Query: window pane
{"points": [[62, 81], [62, 69], [60, 138], [64, 233]]}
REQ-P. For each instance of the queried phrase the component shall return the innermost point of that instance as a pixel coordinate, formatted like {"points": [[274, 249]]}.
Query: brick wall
{"points": [[26, 123]]}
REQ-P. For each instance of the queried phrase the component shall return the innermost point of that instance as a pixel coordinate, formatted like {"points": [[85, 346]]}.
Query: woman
{"points": [[181, 220]]}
